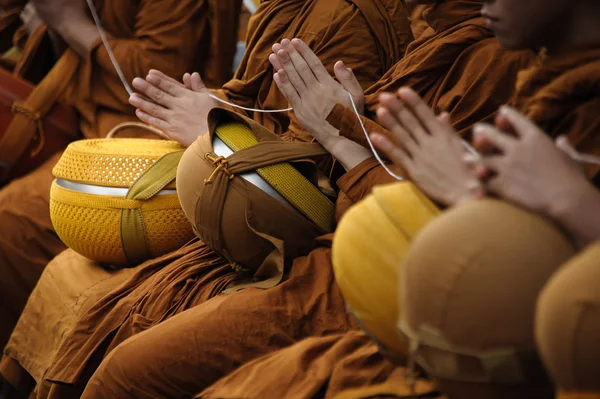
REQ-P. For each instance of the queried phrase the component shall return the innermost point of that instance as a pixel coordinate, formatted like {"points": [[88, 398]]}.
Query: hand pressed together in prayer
{"points": [[427, 147], [309, 88], [521, 164], [313, 93], [179, 110]]}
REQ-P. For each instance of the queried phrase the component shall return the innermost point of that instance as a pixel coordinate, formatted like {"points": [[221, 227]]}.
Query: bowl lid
{"points": [[111, 162]]}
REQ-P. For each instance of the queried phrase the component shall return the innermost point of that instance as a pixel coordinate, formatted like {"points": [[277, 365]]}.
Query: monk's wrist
{"points": [[79, 33]]}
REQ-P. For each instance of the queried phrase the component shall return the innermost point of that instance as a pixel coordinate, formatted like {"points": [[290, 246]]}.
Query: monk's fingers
{"points": [[300, 64], [404, 116], [291, 72], [314, 63], [493, 163], [155, 94], [274, 60], [148, 107], [522, 126], [285, 86], [151, 120], [169, 86], [347, 79], [487, 137], [395, 153], [166, 77], [398, 134], [423, 113], [496, 185]]}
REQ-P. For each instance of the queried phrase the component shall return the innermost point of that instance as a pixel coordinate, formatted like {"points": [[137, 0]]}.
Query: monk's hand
{"points": [[427, 147], [523, 165], [170, 106], [31, 19], [309, 88]]}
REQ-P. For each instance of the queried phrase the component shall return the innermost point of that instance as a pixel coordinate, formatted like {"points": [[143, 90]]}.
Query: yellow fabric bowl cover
{"points": [[114, 200], [368, 249]]}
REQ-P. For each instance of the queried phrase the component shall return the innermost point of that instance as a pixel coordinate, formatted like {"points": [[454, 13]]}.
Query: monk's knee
{"points": [[568, 326], [470, 284], [120, 374]]}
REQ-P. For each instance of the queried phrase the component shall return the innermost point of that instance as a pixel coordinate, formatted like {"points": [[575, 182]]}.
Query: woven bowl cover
{"points": [[90, 224]]}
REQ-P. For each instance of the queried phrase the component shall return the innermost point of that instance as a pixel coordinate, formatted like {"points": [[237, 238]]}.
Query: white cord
{"points": [[395, 176], [111, 55], [264, 111]]}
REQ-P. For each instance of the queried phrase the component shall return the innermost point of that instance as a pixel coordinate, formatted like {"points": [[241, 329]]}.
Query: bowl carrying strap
{"points": [[133, 231]]}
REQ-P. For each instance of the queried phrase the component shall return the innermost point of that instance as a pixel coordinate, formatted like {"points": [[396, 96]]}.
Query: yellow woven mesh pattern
{"points": [[90, 224], [111, 162], [284, 178]]}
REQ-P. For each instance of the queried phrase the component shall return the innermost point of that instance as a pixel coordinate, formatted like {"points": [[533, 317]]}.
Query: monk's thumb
{"points": [[197, 83], [347, 79]]}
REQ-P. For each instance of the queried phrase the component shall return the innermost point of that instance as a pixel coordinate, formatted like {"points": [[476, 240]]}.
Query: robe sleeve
{"points": [[357, 183], [347, 123], [164, 37]]}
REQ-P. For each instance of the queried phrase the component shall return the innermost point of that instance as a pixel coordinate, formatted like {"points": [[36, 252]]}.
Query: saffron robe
{"points": [[560, 93], [195, 274], [169, 35]]}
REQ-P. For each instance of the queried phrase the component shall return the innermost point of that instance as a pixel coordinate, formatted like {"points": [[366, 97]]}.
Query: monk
{"points": [[28, 240], [549, 93], [161, 279]]}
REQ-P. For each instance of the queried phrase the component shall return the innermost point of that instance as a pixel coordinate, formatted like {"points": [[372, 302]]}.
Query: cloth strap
{"points": [[133, 231], [27, 122], [210, 206]]}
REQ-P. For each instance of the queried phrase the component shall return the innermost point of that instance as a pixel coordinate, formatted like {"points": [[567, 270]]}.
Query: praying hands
{"points": [[427, 147], [179, 110], [311, 91]]}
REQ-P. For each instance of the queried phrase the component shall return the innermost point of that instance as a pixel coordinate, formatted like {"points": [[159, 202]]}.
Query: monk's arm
{"points": [[346, 121], [348, 153], [163, 37]]}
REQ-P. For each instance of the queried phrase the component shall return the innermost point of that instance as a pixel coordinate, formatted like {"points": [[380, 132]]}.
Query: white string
{"points": [[395, 176], [264, 111], [111, 55]]}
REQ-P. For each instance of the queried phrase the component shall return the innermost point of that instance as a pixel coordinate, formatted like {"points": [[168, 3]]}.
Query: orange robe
{"points": [[193, 275], [9, 22], [456, 65], [561, 93], [169, 35]]}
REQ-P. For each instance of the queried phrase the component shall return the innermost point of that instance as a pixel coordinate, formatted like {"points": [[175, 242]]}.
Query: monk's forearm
{"points": [[579, 216], [346, 121], [80, 35], [348, 153]]}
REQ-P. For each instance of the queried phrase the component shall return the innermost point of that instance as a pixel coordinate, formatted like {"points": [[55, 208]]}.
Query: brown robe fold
{"points": [[561, 94], [456, 65], [327, 368], [190, 277], [162, 34], [9, 24]]}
